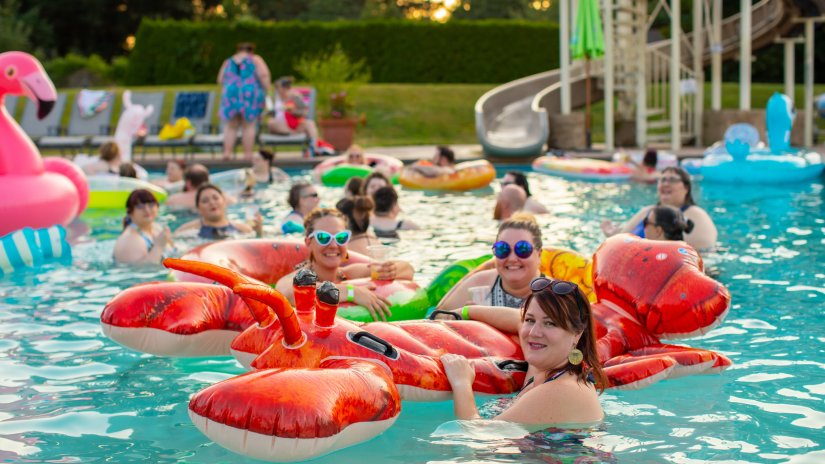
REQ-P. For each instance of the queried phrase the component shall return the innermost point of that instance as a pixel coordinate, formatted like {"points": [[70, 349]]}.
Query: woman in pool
{"points": [[373, 182], [385, 220], [666, 223], [213, 223], [564, 375], [674, 188], [263, 170], [326, 237], [142, 240], [358, 210], [302, 198], [518, 178], [517, 251], [174, 173]]}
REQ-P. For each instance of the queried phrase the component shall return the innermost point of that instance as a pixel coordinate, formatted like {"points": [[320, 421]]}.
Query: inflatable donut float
{"points": [[467, 176], [582, 169], [336, 171]]}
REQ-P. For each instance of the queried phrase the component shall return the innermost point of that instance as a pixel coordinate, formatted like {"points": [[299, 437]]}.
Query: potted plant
{"points": [[336, 78]]}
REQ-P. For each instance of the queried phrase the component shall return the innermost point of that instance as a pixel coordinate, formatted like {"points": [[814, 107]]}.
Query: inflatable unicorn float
{"points": [[35, 193], [321, 382], [742, 158]]}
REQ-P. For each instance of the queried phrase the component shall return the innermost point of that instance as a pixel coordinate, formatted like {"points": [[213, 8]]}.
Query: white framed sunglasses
{"points": [[324, 238]]}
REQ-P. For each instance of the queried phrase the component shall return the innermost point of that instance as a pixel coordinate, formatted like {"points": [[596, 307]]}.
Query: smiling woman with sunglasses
{"points": [[326, 238], [564, 375], [302, 198], [142, 240], [517, 252], [674, 189]]}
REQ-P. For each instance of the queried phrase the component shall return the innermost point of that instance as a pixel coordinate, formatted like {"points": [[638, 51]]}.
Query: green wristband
{"points": [[465, 313], [350, 293]]}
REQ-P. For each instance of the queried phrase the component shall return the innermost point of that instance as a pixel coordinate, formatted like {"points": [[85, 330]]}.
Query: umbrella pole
{"points": [[587, 101]]}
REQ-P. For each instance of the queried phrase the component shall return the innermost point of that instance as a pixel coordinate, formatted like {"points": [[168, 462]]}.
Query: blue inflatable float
{"points": [[30, 248], [743, 159]]}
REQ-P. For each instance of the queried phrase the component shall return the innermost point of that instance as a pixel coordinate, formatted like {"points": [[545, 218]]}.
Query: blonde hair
{"points": [[318, 213], [523, 221]]}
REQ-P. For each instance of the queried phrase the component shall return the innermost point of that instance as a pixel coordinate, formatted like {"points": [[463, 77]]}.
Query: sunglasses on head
{"points": [[324, 238], [522, 248], [559, 287]]}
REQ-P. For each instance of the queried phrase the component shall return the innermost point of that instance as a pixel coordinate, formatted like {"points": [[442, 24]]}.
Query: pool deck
{"points": [[407, 154]]}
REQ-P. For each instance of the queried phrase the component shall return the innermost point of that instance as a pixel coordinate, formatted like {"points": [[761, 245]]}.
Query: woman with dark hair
{"points": [[385, 220], [244, 78], [374, 181], [174, 173], [646, 172], [302, 198], [263, 170], [358, 210], [674, 189], [326, 236], [213, 223], [353, 187], [666, 223], [564, 375], [142, 240], [519, 179]]}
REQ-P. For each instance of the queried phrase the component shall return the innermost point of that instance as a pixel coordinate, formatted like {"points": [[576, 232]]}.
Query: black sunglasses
{"points": [[559, 287]]}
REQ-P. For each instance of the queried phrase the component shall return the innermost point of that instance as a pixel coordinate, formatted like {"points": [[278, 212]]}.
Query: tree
{"points": [[14, 31]]}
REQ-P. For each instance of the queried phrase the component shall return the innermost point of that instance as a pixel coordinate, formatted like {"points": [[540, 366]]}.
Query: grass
{"points": [[428, 114]]}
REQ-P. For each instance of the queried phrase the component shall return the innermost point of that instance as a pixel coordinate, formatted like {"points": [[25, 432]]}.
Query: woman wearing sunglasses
{"points": [[326, 238], [674, 189], [666, 223], [142, 239], [517, 252], [564, 375], [302, 198]]}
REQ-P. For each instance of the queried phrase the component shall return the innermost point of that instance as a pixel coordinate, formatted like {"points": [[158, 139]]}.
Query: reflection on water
{"points": [[67, 393]]}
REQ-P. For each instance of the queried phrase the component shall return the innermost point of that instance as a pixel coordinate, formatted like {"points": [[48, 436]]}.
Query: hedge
{"points": [[490, 51]]}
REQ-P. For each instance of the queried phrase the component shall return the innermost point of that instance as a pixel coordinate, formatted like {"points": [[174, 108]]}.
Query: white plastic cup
{"points": [[379, 254], [479, 294]]}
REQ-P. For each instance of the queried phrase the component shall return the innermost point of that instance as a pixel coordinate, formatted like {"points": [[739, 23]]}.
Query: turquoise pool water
{"points": [[68, 394]]}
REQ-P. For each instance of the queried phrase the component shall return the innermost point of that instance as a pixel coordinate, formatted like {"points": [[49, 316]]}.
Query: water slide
{"points": [[512, 119]]}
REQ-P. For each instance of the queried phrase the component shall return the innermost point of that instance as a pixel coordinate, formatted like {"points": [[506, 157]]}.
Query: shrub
{"points": [[336, 79], [75, 70]]}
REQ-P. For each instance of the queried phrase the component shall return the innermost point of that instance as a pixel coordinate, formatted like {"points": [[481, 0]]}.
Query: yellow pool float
{"points": [[467, 176]]}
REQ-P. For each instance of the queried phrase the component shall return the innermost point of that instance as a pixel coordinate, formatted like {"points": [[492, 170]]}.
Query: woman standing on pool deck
{"points": [[674, 188], [564, 375], [326, 238], [244, 78]]}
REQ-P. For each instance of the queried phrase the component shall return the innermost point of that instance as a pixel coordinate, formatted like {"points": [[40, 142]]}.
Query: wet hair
{"points": [[196, 175], [137, 197], [521, 180], [370, 177], [385, 199], [294, 195], [127, 170], [651, 158], [318, 213], [353, 186], [203, 188], [357, 210], [446, 152], [672, 221], [523, 221], [248, 47], [109, 151], [572, 312], [679, 171], [267, 155]]}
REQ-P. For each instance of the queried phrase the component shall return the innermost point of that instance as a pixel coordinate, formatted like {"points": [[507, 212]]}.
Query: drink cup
{"points": [[479, 294], [379, 254]]}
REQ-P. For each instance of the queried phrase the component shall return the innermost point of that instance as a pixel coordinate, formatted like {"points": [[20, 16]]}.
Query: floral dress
{"points": [[242, 92]]}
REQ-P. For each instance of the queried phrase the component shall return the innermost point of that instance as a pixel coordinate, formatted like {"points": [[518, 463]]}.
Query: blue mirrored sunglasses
{"points": [[324, 238], [522, 248]]}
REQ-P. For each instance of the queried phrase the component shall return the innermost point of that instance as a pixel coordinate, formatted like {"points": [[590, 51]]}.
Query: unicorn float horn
{"points": [[293, 335], [262, 314]]}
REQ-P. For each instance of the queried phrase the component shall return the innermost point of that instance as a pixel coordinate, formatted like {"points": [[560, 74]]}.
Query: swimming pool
{"points": [[69, 394]]}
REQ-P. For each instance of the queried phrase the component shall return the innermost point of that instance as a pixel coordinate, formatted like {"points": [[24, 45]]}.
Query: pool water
{"points": [[69, 394]]}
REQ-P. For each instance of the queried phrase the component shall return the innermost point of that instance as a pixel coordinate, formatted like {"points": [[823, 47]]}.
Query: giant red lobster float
{"points": [[321, 382]]}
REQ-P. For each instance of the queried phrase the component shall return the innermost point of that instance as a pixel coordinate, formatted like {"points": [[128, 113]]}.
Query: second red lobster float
{"points": [[322, 383]]}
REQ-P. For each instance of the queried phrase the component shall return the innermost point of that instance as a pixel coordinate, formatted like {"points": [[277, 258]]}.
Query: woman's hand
{"points": [[163, 238], [609, 228], [459, 371], [378, 307], [258, 224], [388, 270]]}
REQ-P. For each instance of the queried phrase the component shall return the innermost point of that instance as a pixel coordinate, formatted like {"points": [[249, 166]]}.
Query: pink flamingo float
{"points": [[34, 192]]}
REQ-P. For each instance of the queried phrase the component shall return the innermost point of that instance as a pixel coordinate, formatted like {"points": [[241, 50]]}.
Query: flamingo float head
{"points": [[21, 74]]}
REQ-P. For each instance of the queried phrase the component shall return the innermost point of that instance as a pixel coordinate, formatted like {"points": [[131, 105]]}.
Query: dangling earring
{"points": [[575, 357], [346, 255]]}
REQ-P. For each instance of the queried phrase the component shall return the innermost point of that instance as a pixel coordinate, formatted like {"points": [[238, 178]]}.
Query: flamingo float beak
{"points": [[39, 88]]}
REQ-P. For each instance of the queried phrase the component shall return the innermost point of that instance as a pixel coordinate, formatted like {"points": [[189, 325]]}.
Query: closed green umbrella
{"points": [[587, 42]]}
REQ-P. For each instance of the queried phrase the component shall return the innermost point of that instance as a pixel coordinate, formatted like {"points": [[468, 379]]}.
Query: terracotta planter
{"points": [[338, 132]]}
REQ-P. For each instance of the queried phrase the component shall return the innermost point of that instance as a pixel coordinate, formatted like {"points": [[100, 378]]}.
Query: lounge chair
{"points": [[152, 122], [11, 105], [46, 127], [197, 107], [272, 140], [81, 130]]}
